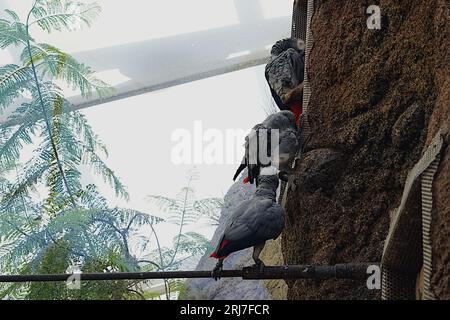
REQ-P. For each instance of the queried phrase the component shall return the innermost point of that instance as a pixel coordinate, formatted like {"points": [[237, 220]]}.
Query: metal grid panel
{"points": [[427, 206]]}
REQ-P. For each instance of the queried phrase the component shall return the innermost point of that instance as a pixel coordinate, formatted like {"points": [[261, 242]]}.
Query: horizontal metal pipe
{"points": [[340, 271]]}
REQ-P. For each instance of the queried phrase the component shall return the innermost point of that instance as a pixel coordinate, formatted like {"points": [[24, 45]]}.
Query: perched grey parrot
{"points": [[284, 122], [284, 74], [254, 221]]}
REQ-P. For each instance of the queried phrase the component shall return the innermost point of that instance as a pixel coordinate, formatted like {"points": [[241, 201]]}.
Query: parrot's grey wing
{"points": [[263, 220], [242, 222], [249, 139], [239, 211], [275, 97], [238, 230], [251, 152], [273, 223], [296, 65], [241, 167]]}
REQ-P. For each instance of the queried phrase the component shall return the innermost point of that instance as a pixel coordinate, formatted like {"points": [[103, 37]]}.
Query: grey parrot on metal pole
{"points": [[285, 124], [254, 221]]}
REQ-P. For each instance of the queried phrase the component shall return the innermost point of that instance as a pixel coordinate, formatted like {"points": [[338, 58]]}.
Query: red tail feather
{"points": [[223, 244], [296, 108]]}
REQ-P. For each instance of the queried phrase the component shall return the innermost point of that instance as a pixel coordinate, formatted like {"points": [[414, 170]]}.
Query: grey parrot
{"points": [[254, 221], [284, 122], [284, 74]]}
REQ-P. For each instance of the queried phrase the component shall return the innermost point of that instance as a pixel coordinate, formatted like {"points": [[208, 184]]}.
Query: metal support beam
{"points": [[148, 89], [355, 271]]}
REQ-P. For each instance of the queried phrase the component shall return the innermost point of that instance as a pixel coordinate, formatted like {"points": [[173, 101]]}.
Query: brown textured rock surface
{"points": [[441, 229], [440, 119], [364, 84]]}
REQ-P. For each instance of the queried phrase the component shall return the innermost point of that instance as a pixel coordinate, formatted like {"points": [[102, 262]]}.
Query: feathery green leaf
{"points": [[64, 15]]}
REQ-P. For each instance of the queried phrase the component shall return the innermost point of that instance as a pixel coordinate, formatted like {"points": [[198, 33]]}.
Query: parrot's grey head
{"points": [[282, 45], [268, 182], [281, 120], [289, 115]]}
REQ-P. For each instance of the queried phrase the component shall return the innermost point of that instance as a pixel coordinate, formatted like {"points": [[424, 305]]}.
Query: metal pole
{"points": [[356, 271]]}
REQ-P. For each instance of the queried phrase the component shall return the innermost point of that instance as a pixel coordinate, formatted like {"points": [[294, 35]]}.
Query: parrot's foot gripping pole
{"points": [[259, 265], [217, 270]]}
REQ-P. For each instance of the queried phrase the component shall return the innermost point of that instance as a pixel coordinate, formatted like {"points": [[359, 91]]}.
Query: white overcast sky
{"points": [[138, 131], [154, 19]]}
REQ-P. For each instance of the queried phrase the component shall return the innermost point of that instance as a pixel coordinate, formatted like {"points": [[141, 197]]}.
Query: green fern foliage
{"points": [[184, 210], [52, 62], [192, 243], [46, 212], [64, 15], [67, 139], [12, 32]]}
